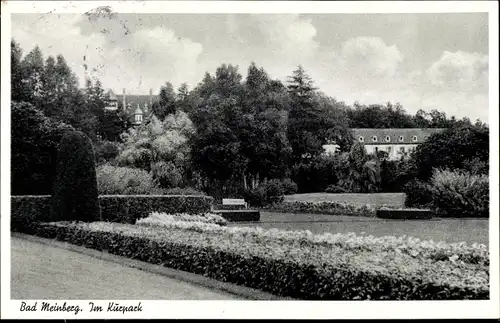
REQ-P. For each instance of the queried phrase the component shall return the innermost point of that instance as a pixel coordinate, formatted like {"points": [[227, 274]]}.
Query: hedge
{"points": [[28, 209], [292, 269], [332, 208], [405, 214]]}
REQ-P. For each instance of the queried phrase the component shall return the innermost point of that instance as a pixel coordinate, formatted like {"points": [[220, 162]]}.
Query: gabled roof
{"points": [[111, 96], [395, 135], [134, 100]]}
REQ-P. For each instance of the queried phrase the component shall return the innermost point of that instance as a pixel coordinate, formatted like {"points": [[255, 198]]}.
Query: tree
{"points": [[32, 70], [166, 103], [75, 194], [360, 173], [453, 148], [18, 91], [306, 130]]}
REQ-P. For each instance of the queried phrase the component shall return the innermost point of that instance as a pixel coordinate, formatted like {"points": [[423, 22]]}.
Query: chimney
{"points": [[124, 101]]}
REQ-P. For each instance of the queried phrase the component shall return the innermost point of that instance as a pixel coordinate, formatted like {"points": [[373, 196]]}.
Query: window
{"points": [[401, 138], [387, 139], [414, 138], [361, 139], [374, 138], [376, 149]]}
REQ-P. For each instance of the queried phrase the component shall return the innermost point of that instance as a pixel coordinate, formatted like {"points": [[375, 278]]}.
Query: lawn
{"points": [[374, 199], [448, 230]]}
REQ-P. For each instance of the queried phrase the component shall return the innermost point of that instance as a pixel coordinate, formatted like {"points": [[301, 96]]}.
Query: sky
{"points": [[423, 61]]}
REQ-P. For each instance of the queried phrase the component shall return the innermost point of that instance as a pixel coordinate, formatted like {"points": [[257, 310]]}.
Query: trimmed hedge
{"points": [[239, 215], [28, 209], [295, 268], [320, 208], [407, 214]]}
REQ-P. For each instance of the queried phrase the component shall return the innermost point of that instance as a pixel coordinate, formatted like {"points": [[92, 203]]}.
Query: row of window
{"points": [[387, 139]]}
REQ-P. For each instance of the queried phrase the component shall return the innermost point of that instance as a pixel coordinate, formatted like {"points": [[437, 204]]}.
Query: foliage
{"points": [[166, 103], [75, 194], [106, 151], [418, 194], [460, 194], [359, 173], [27, 210], [286, 265], [171, 220], [270, 192], [335, 189], [34, 145], [125, 181], [161, 147], [332, 208], [458, 147], [182, 191]]}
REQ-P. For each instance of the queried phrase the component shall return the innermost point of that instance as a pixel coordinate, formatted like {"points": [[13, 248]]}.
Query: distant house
{"points": [[136, 107], [395, 142]]}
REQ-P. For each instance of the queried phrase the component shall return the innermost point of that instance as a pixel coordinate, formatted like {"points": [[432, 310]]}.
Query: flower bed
{"points": [[164, 219], [304, 266], [332, 208]]}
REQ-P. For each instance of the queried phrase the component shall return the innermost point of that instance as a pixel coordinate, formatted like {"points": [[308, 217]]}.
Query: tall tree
{"points": [[16, 72], [166, 103]]}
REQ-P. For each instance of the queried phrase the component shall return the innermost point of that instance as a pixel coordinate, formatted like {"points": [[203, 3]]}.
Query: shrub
{"points": [[166, 174], [335, 189], [288, 266], [125, 181], [289, 187], [26, 211], [460, 194], [106, 151], [332, 208], [418, 194], [270, 192], [75, 187]]}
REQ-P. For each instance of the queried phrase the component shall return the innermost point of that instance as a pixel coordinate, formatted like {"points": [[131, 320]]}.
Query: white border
{"points": [[261, 309]]}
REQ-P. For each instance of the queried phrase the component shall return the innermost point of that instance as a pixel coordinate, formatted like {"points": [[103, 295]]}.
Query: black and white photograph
{"points": [[285, 152]]}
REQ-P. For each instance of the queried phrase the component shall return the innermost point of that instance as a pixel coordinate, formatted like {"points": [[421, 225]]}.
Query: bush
{"points": [[26, 211], [418, 194], [295, 264], [75, 187], [332, 208], [114, 180], [335, 189], [106, 151], [460, 194], [270, 192], [289, 187], [166, 174]]}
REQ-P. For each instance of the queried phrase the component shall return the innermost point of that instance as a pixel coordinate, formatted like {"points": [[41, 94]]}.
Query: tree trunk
{"points": [[245, 181]]}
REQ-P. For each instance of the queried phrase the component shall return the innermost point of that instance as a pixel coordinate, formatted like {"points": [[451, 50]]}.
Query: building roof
{"points": [[111, 96], [394, 135], [134, 100]]}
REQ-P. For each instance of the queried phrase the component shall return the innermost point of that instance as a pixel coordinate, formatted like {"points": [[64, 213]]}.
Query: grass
{"points": [[448, 230], [373, 199]]}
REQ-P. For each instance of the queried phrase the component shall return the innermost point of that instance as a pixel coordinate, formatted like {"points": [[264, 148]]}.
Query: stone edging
{"points": [[242, 291]]}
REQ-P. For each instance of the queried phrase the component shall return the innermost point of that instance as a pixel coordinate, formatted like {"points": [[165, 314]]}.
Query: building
{"points": [[136, 107], [395, 142]]}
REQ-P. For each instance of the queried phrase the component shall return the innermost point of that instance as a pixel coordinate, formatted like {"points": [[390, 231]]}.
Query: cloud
{"points": [[370, 57], [460, 71]]}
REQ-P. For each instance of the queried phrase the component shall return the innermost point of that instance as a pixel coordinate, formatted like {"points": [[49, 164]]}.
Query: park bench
{"points": [[236, 215], [237, 202]]}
